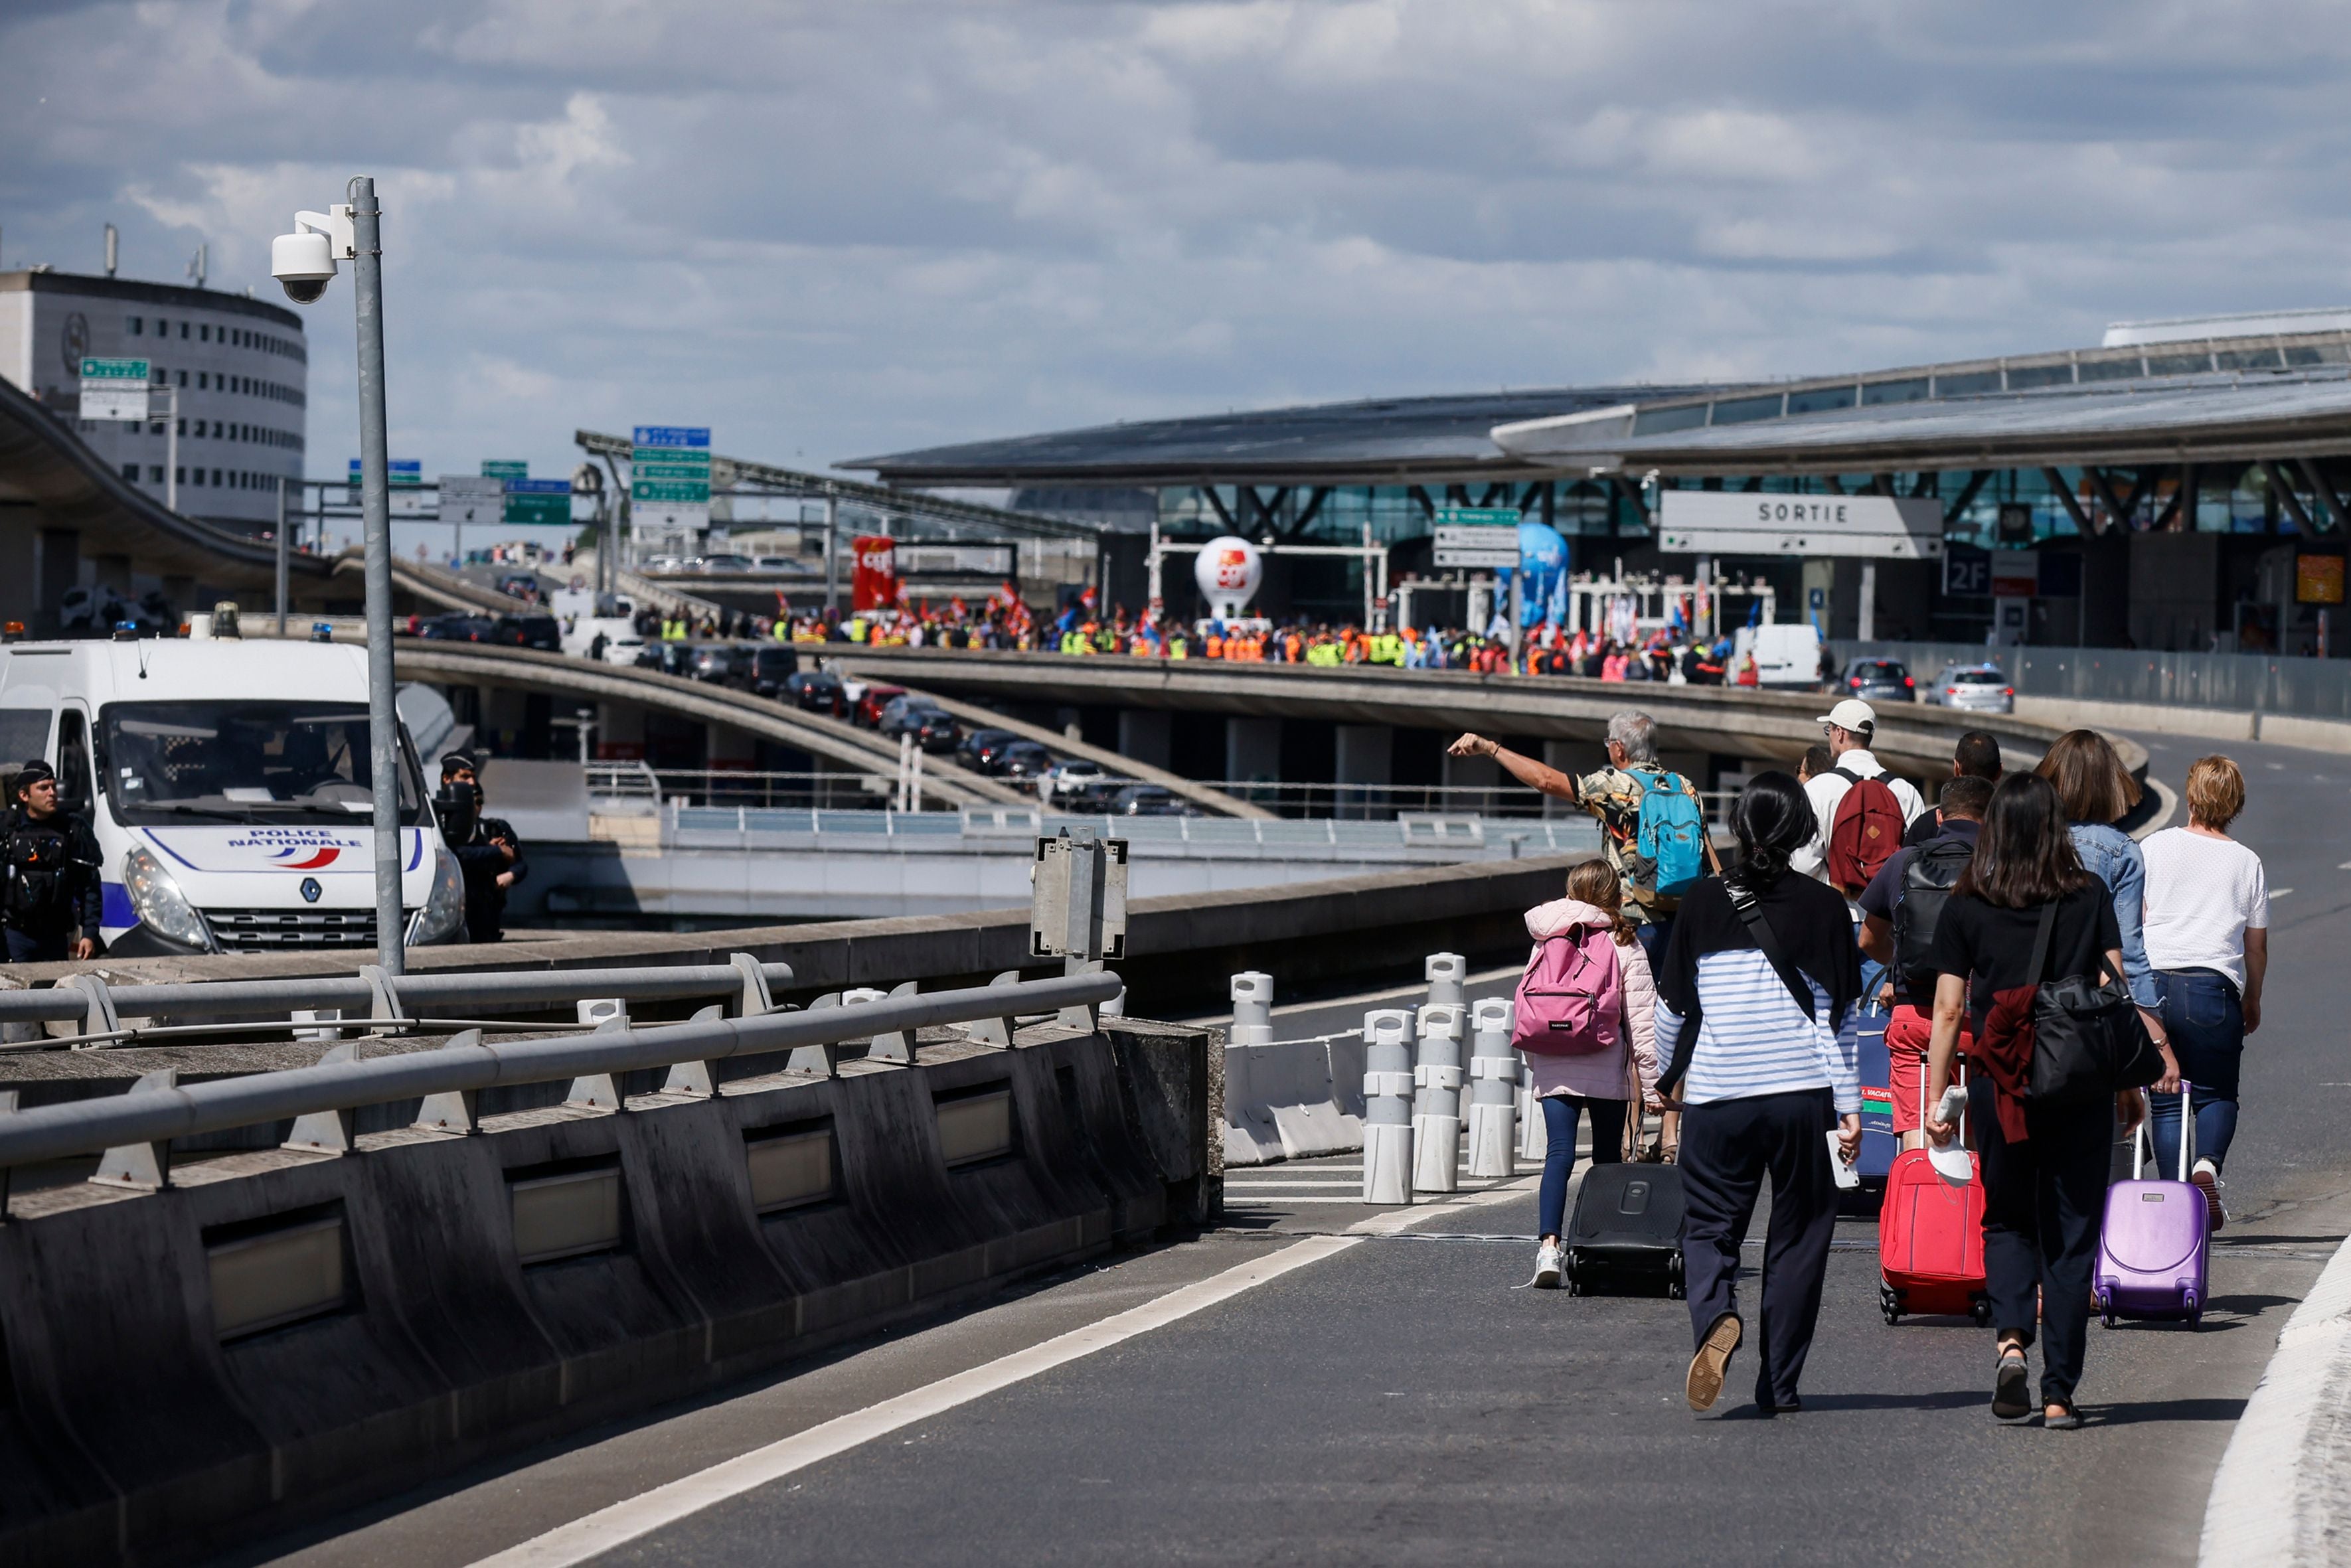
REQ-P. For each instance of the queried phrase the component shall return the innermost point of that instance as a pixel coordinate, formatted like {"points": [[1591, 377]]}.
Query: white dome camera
{"points": [[304, 261]]}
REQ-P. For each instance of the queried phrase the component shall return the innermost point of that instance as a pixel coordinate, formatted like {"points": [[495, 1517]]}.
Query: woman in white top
{"points": [[2207, 922]]}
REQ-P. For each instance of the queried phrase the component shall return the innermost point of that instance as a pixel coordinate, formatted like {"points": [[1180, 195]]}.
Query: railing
{"points": [[157, 1109], [637, 788], [2242, 683]]}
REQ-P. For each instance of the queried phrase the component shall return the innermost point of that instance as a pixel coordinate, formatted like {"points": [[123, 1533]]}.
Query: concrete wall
{"points": [[133, 1430]]}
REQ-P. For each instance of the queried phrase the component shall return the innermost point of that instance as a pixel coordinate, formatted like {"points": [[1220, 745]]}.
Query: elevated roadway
{"points": [[1911, 737]]}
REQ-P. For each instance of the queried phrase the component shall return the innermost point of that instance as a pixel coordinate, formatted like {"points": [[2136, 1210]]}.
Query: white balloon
{"points": [[1229, 570]]}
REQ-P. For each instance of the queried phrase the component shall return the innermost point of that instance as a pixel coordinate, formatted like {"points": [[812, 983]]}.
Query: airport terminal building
{"points": [[2183, 485]]}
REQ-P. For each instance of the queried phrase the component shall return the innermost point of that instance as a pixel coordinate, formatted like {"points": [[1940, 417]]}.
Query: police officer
{"points": [[488, 851], [49, 903]]}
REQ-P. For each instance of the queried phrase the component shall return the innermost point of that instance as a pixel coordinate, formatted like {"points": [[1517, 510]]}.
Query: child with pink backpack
{"points": [[1582, 1017]]}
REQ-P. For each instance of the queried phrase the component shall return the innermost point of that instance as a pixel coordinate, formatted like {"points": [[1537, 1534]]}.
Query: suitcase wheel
{"points": [[1675, 1288], [1889, 1304], [2195, 1309], [1980, 1310]]}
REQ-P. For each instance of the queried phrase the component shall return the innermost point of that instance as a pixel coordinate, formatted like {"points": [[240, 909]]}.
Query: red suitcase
{"points": [[1930, 1238]]}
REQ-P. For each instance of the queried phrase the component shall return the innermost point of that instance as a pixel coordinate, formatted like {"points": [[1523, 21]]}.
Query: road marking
{"points": [[2280, 892], [640, 1516]]}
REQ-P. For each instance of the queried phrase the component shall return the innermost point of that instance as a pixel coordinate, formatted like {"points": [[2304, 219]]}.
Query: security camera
{"points": [[304, 261]]}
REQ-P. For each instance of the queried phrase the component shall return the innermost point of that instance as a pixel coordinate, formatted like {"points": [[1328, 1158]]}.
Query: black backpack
{"points": [[1928, 878], [35, 856]]}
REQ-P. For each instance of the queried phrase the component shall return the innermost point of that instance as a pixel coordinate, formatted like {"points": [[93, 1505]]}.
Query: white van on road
{"points": [[227, 783]]}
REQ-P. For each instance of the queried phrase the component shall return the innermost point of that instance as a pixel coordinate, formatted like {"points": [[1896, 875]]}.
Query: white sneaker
{"points": [[2207, 1176], [1549, 1260]]}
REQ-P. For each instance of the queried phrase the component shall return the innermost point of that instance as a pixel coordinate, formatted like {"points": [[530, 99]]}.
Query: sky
{"points": [[834, 230]]}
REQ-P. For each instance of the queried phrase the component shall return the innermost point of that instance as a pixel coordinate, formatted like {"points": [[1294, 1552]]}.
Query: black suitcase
{"points": [[1626, 1231]]}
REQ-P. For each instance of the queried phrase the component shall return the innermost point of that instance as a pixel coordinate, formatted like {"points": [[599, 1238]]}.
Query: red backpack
{"points": [[1865, 833]]}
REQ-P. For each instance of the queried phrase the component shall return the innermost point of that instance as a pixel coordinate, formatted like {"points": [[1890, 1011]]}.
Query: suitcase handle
{"points": [[2144, 1139]]}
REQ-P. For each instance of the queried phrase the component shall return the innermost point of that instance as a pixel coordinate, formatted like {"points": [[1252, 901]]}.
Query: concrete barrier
{"points": [[1281, 1103], [283, 1333]]}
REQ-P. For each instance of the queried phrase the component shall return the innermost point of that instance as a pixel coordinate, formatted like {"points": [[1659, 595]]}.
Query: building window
{"points": [[154, 473], [1909, 391], [183, 378], [2021, 377], [1740, 410], [136, 326], [1820, 398], [203, 334], [203, 381], [130, 471], [216, 478], [184, 329], [162, 327], [180, 474], [183, 427]]}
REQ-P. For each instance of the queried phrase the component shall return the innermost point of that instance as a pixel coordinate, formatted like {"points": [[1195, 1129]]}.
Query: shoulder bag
{"points": [[2088, 1042]]}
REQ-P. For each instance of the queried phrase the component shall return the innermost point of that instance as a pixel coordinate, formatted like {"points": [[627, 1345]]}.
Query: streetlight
{"points": [[305, 262]]}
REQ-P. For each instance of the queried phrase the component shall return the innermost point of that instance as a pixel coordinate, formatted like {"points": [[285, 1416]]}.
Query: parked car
{"points": [[816, 690], [771, 665], [1024, 762], [458, 627], [520, 585], [868, 704], [717, 663], [1074, 784], [1879, 681], [725, 562], [1147, 801], [540, 631], [775, 563], [1977, 689], [669, 658], [933, 727], [980, 747]]}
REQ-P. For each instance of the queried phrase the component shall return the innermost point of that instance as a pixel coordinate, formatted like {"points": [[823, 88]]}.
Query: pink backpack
{"points": [[1572, 997]]}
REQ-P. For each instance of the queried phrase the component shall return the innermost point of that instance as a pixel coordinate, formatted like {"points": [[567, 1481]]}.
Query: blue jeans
{"points": [[2205, 1020], [1559, 1153], [1652, 935]]}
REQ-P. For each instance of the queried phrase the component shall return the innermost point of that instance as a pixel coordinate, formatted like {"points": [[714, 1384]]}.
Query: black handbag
{"points": [[2089, 1041]]}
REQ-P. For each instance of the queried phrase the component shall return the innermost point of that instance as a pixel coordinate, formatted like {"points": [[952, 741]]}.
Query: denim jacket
{"points": [[2109, 853]]}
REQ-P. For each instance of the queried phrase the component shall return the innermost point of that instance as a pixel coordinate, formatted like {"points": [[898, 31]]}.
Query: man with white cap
{"points": [[1850, 726]]}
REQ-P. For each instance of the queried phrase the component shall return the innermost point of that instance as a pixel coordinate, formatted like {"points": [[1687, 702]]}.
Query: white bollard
{"points": [[1493, 1090], [1436, 1101], [1252, 995], [1445, 972], [1387, 1106], [1535, 1139]]}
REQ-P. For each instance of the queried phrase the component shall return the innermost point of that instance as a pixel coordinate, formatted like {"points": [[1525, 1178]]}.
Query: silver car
{"points": [[1978, 688]]}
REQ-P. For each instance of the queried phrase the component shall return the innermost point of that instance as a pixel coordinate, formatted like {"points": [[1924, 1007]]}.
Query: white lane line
{"points": [[2275, 892], [639, 1516]]}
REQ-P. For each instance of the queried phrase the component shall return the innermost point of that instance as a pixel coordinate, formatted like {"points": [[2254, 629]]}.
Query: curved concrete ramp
{"points": [[527, 670], [1912, 738]]}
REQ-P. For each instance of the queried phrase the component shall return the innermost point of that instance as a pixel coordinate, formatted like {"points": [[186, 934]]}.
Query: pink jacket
{"points": [[1604, 1074]]}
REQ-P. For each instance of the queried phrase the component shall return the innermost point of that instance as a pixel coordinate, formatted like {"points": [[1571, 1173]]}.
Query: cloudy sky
{"points": [[828, 230]]}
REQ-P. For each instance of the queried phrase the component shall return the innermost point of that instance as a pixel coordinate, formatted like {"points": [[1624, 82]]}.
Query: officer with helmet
{"points": [[488, 851], [50, 899]]}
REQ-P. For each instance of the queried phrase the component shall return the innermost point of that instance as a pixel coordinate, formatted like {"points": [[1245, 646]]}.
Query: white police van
{"points": [[227, 782]]}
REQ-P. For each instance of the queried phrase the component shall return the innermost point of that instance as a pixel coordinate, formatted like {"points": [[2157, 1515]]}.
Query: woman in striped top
{"points": [[1759, 972]]}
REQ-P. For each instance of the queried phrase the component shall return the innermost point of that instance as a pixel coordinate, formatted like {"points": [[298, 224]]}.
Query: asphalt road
{"points": [[1400, 1401]]}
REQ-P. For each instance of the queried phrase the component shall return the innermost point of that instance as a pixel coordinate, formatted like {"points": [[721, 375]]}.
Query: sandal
{"points": [[2010, 1398], [2067, 1420]]}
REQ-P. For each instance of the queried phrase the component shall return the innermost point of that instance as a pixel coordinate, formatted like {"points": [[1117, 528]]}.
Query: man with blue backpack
{"points": [[1651, 827]]}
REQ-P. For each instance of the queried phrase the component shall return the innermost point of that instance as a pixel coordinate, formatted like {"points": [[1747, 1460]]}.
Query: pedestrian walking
{"points": [[1651, 829], [1900, 909], [1977, 756], [2096, 791], [2208, 940], [50, 906], [1756, 983], [1617, 1061], [1851, 726], [2026, 911]]}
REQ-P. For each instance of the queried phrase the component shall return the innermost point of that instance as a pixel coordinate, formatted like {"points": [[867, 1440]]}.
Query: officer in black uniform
{"points": [[488, 850], [49, 900]]}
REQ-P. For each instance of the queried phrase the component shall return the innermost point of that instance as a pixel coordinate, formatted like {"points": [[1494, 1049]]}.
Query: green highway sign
{"points": [[504, 468], [538, 503], [114, 389], [669, 477]]}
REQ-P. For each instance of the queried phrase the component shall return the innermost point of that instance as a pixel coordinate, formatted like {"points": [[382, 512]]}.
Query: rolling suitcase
{"points": [[2154, 1247], [1930, 1237], [1625, 1233], [1878, 1142]]}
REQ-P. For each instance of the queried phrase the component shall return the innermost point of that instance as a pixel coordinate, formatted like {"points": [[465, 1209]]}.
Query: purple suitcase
{"points": [[2156, 1245]]}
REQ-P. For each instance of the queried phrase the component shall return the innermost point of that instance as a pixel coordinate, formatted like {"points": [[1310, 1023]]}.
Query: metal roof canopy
{"points": [[1374, 441], [2215, 418], [765, 479]]}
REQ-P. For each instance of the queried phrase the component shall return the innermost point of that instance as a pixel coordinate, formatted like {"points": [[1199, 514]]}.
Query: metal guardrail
{"points": [[695, 827], [157, 1109], [87, 1000], [2243, 683]]}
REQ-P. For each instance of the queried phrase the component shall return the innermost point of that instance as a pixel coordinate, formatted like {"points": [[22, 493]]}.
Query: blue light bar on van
{"points": [[322, 630]]}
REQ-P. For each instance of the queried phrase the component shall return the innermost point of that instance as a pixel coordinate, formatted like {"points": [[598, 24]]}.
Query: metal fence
{"points": [[2242, 683]]}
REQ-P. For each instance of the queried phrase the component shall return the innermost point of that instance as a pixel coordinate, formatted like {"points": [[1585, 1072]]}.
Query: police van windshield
{"points": [[242, 762]]}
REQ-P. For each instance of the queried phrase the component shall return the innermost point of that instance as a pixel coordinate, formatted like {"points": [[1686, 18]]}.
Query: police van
{"points": [[227, 783]]}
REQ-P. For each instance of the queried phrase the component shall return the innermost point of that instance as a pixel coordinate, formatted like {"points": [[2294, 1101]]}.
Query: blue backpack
{"points": [[1673, 835]]}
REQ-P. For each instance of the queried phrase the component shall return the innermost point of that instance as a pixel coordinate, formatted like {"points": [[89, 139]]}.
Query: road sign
{"points": [[470, 500], [1966, 571], [538, 503], [504, 468], [114, 389], [669, 477], [1478, 536], [1727, 522], [405, 476]]}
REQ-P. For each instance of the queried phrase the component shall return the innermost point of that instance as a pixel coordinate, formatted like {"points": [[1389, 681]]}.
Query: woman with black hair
{"points": [[2044, 1166], [1758, 975]]}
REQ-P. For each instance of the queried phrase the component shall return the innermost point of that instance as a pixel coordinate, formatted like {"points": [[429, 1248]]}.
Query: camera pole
{"points": [[375, 503]]}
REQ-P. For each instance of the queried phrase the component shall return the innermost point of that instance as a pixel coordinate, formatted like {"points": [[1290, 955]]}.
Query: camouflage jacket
{"points": [[1613, 796]]}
